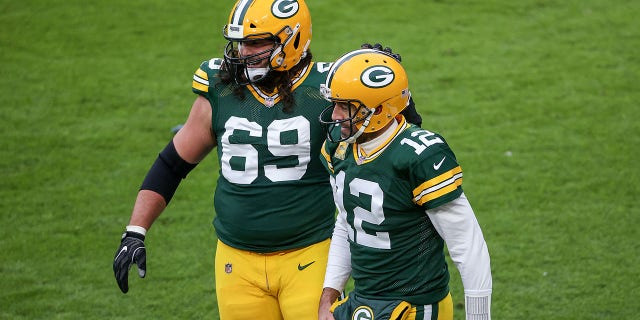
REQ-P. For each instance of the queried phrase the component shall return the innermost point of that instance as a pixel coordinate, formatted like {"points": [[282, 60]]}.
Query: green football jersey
{"points": [[272, 192], [396, 252]]}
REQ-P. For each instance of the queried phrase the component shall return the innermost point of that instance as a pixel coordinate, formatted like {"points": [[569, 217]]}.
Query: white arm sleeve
{"points": [[458, 226], [339, 264]]}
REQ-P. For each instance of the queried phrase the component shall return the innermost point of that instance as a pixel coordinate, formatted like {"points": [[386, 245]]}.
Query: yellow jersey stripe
{"points": [[438, 186], [200, 73], [199, 86], [200, 81], [326, 156]]}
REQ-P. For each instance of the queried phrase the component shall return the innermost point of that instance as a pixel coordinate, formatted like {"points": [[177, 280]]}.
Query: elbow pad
{"points": [[167, 172]]}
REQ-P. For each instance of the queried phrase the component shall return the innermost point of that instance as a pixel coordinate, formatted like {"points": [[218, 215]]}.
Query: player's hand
{"points": [[328, 297], [379, 47], [131, 251]]}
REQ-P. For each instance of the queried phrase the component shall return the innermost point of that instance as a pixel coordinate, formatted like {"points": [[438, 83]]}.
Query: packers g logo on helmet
{"points": [[377, 76], [285, 23], [373, 84], [284, 8]]}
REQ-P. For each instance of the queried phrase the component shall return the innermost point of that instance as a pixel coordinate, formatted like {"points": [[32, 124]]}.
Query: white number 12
{"points": [[379, 240]]}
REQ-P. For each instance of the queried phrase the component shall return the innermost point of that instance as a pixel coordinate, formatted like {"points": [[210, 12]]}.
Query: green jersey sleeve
{"points": [[435, 173], [205, 75]]}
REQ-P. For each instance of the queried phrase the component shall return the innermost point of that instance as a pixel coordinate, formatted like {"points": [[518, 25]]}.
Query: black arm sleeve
{"points": [[167, 172]]}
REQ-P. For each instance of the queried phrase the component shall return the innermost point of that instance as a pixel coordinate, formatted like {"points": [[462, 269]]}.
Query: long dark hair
{"points": [[275, 80]]}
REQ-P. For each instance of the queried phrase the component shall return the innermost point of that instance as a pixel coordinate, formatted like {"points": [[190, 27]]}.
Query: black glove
{"points": [[131, 251], [378, 47]]}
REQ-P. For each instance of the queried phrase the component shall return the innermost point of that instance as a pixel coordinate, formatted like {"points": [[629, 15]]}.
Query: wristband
{"points": [[137, 229], [478, 307]]}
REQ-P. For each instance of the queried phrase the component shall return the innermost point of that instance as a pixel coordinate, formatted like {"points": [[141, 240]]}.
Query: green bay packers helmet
{"points": [[373, 83], [286, 22]]}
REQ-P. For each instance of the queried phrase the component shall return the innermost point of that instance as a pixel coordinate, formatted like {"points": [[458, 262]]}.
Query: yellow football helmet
{"points": [[286, 22], [373, 83]]}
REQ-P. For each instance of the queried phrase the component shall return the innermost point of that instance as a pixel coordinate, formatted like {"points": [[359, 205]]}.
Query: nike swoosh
{"points": [[305, 266], [437, 166], [124, 249]]}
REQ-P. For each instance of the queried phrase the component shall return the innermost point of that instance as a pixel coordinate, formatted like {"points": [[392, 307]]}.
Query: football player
{"points": [[398, 190], [259, 106]]}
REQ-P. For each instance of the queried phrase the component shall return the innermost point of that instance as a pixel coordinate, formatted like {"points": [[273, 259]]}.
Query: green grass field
{"points": [[539, 99]]}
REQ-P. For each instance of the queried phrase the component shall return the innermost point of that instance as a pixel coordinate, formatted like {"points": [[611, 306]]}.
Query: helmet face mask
{"points": [[351, 126], [371, 81], [286, 23], [241, 65]]}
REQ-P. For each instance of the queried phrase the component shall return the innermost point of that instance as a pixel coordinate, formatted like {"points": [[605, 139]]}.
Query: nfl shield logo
{"points": [[269, 102], [228, 268]]}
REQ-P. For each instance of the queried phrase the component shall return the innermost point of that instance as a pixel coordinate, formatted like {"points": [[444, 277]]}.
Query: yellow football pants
{"points": [[443, 310], [276, 286]]}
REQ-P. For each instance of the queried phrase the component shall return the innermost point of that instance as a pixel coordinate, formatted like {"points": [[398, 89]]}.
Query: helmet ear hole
{"points": [[296, 42]]}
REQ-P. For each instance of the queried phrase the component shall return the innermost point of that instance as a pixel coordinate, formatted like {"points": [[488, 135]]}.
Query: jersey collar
{"points": [[363, 157], [271, 99]]}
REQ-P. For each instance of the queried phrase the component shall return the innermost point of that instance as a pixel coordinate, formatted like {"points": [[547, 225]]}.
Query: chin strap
{"points": [[255, 74], [360, 131]]}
